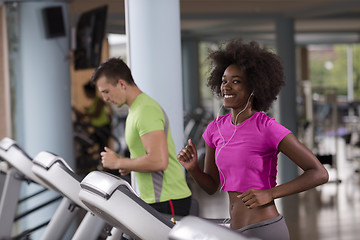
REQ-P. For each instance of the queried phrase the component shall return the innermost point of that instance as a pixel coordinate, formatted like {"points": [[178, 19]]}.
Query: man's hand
{"points": [[110, 159], [124, 172]]}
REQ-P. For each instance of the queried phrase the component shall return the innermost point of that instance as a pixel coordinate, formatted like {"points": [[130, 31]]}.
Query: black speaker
{"points": [[54, 22]]}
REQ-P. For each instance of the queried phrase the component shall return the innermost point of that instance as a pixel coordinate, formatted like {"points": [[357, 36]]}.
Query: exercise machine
{"points": [[55, 172], [114, 200], [191, 227], [15, 169]]}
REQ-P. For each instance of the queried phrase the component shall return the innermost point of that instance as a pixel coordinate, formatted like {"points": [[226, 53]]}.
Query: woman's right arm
{"points": [[207, 179]]}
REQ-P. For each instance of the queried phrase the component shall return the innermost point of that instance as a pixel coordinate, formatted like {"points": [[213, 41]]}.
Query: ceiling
{"points": [[316, 21]]}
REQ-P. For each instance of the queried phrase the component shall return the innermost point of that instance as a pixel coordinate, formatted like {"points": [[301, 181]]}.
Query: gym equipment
{"points": [[114, 200], [55, 172], [191, 227], [17, 158], [3, 170], [15, 168]]}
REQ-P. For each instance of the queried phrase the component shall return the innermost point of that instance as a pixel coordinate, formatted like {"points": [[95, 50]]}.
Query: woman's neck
{"points": [[240, 116]]}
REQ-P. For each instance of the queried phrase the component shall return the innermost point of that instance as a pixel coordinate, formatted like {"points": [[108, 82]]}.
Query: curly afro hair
{"points": [[262, 68]]}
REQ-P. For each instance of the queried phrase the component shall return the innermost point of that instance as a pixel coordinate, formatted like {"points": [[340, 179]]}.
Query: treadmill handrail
{"points": [[105, 185], [47, 159], [6, 143]]}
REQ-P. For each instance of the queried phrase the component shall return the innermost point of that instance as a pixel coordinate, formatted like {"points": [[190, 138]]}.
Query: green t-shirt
{"points": [[145, 115]]}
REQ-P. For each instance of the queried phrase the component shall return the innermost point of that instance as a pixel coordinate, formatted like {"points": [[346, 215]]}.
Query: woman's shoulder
{"points": [[263, 118], [269, 124], [217, 122], [263, 122], [222, 118]]}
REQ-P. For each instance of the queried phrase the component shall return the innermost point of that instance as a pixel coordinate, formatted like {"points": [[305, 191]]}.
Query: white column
{"points": [[44, 85], [41, 93], [153, 30]]}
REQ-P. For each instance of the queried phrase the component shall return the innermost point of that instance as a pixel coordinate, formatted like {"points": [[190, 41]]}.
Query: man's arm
{"points": [[155, 159]]}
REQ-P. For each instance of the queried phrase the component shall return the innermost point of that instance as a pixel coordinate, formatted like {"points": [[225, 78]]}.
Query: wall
{"points": [[80, 77], [5, 127]]}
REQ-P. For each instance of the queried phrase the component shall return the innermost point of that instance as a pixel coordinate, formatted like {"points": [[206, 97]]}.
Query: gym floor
{"points": [[331, 211]]}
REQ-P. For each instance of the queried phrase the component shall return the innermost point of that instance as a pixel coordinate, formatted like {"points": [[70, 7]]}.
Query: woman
{"points": [[242, 147]]}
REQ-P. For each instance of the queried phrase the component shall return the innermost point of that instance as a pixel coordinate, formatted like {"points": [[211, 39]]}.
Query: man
{"points": [[95, 122], [159, 176]]}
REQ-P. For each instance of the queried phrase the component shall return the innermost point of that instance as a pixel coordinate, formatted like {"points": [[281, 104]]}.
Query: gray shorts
{"points": [[270, 229]]}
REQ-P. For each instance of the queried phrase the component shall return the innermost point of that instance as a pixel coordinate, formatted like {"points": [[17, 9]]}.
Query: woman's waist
{"points": [[242, 216]]}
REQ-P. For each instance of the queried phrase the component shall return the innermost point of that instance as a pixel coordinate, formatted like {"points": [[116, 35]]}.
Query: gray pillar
{"points": [[40, 89], [287, 113], [153, 30], [285, 45], [350, 74], [190, 57]]}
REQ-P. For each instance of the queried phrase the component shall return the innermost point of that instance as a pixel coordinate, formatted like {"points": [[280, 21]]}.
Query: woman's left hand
{"points": [[253, 198]]}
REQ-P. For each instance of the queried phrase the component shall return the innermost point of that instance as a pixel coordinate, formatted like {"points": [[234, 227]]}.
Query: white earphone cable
{"points": [[225, 143]]}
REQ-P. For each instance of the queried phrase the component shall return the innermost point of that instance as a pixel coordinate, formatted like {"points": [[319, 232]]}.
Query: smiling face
{"points": [[234, 88], [113, 94]]}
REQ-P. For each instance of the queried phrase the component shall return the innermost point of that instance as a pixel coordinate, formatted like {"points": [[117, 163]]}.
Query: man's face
{"points": [[113, 94]]}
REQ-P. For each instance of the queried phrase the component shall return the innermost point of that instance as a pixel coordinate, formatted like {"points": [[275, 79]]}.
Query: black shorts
{"points": [[176, 207]]}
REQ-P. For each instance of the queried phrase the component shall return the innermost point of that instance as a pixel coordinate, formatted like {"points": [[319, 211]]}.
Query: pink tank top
{"points": [[249, 159]]}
